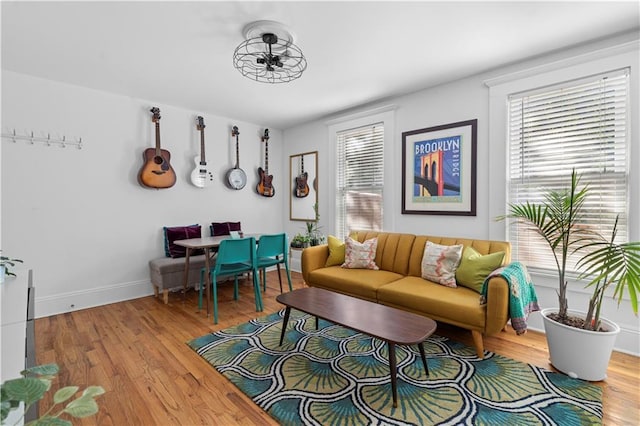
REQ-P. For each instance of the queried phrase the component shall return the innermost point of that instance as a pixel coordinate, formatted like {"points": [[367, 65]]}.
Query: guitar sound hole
{"points": [[158, 160]]}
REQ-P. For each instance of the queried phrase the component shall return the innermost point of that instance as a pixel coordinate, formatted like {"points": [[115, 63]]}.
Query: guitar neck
{"points": [[202, 159], [157, 138], [237, 152], [266, 157]]}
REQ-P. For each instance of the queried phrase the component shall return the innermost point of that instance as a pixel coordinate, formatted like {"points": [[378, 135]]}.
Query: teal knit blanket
{"points": [[522, 294]]}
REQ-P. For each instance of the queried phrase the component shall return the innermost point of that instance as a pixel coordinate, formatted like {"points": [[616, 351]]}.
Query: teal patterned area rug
{"points": [[336, 376]]}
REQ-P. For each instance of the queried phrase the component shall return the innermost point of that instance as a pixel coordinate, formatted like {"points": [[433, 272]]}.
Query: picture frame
{"points": [[439, 169]]}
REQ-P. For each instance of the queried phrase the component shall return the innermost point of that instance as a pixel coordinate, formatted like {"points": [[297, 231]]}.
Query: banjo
{"points": [[236, 178]]}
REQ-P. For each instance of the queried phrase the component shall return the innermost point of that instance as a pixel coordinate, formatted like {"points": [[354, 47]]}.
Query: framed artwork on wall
{"points": [[439, 170]]}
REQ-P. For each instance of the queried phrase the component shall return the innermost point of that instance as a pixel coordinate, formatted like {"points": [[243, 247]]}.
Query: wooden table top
{"points": [[384, 322], [208, 242]]}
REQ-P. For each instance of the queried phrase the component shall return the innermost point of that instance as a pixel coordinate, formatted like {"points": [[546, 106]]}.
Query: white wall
{"points": [[80, 219], [458, 101]]}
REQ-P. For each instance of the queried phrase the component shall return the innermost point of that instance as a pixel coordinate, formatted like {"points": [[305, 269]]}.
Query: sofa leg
{"points": [[477, 341], [165, 296], [156, 290]]}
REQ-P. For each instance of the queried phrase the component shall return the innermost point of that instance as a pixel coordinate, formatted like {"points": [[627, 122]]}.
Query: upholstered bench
{"points": [[167, 273]]}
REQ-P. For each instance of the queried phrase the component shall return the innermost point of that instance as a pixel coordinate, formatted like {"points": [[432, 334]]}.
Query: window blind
{"points": [[582, 125], [360, 179]]}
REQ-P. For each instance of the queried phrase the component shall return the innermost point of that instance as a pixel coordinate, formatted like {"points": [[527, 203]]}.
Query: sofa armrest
{"points": [[497, 305], [313, 258]]}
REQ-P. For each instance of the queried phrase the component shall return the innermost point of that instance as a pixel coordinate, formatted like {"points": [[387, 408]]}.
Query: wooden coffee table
{"points": [[392, 325]]}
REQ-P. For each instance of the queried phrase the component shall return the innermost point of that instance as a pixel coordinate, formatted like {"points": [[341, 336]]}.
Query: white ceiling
{"points": [[180, 53]]}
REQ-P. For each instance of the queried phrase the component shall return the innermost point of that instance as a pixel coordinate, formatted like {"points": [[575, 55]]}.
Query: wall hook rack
{"points": [[48, 141]]}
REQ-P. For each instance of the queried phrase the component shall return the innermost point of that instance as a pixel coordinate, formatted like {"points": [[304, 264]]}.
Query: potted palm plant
{"points": [[602, 261]]}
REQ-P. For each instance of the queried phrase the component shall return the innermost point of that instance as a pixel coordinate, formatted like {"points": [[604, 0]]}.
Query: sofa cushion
{"points": [[460, 305], [174, 233], [474, 268], [439, 263], [360, 255], [224, 228], [336, 251], [358, 282], [167, 272]]}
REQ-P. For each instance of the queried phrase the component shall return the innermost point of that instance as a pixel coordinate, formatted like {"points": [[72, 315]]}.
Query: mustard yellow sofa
{"points": [[398, 282]]}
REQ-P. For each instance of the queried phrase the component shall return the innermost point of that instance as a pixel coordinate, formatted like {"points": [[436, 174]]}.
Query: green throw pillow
{"points": [[474, 268], [336, 251]]}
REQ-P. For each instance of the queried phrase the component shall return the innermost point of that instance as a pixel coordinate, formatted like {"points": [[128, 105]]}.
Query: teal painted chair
{"points": [[272, 251], [235, 256]]}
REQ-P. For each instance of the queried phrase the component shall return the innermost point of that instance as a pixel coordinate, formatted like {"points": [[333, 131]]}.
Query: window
{"points": [[360, 179], [582, 125]]}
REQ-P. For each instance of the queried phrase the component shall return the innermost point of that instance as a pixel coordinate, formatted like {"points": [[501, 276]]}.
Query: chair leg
{"points": [[256, 288], [279, 277], [235, 287], [200, 289], [214, 290], [264, 279], [286, 267]]}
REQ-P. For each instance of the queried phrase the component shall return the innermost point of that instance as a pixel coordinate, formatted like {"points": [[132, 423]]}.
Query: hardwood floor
{"points": [[136, 350]]}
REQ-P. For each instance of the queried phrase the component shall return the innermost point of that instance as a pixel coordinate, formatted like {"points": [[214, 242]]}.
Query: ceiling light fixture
{"points": [[268, 54]]}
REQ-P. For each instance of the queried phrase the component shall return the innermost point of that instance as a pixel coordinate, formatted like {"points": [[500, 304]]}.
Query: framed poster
{"points": [[439, 170]]}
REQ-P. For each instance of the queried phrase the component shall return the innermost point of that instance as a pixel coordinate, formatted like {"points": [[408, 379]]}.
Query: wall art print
{"points": [[439, 170]]}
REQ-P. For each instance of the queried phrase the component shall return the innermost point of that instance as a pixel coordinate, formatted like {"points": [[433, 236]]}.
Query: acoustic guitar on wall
{"points": [[201, 176], [302, 187], [156, 172], [265, 186]]}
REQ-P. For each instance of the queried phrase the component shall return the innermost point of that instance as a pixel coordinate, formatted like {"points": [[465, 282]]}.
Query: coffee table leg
{"points": [[393, 370], [284, 323], [424, 360]]}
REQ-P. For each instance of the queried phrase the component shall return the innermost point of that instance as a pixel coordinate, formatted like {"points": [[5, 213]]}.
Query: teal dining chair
{"points": [[272, 251], [235, 256]]}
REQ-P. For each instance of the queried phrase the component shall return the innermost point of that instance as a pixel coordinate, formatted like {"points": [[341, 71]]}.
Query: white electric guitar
{"points": [[200, 176]]}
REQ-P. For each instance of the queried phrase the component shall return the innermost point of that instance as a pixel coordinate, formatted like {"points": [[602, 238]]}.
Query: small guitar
{"points": [[302, 188], [265, 186], [156, 172], [200, 176], [236, 177]]}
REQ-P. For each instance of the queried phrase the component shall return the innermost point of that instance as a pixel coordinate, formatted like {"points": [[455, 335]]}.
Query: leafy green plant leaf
{"points": [[42, 370], [82, 407], [64, 394], [27, 389], [93, 391]]}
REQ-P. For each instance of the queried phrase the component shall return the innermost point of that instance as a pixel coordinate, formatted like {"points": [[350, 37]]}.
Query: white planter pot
{"points": [[581, 354]]}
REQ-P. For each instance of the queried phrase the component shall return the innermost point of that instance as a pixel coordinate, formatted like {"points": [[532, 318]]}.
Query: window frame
{"points": [[384, 115]]}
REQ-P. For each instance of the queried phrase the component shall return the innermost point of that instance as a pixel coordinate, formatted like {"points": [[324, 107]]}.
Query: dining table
{"points": [[209, 245]]}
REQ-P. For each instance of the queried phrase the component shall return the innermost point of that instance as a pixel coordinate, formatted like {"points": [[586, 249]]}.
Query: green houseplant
{"points": [[5, 264], [34, 384], [603, 262]]}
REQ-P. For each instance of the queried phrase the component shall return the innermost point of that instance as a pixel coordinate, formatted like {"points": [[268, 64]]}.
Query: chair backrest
{"points": [[272, 245], [242, 250]]}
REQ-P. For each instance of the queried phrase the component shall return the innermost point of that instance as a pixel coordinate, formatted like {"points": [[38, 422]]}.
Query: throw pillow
{"points": [[180, 233], [360, 255], [439, 263], [224, 228], [336, 251], [474, 268]]}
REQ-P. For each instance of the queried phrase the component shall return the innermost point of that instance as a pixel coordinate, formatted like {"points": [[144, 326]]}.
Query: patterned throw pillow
{"points": [[439, 263], [336, 251], [180, 233], [360, 255], [474, 268]]}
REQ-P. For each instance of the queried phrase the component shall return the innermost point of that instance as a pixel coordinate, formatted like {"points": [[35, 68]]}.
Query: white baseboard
{"points": [[68, 302]]}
